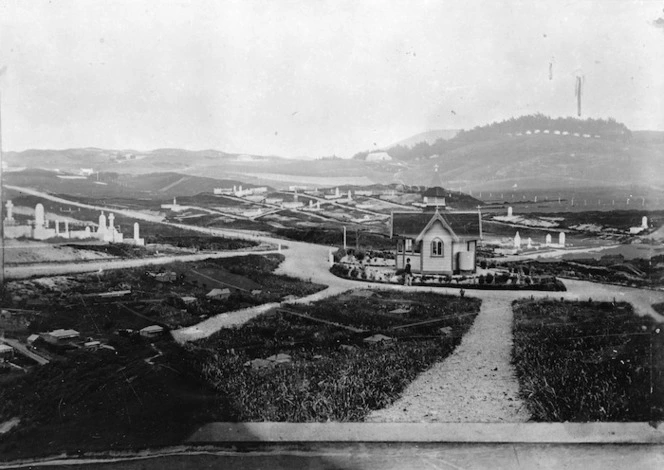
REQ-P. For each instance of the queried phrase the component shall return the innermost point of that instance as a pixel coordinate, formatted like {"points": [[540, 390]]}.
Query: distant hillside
{"points": [[151, 186], [529, 152], [127, 161], [543, 161], [429, 137]]}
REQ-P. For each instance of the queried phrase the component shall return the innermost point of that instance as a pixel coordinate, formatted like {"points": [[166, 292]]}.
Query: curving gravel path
{"points": [[475, 384]]}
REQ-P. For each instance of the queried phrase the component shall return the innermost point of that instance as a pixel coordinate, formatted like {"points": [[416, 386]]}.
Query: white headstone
{"points": [[561, 238], [137, 233], [349, 195], [39, 215], [517, 240], [530, 242], [10, 211], [87, 232], [337, 193], [547, 240], [111, 221], [509, 211], [317, 204], [102, 223], [311, 203], [644, 222]]}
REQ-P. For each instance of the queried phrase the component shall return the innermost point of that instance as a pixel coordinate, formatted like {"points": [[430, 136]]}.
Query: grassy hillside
{"points": [[540, 161], [524, 151], [153, 185]]}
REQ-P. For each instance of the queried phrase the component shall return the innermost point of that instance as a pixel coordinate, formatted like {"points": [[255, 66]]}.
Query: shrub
{"points": [[339, 254]]}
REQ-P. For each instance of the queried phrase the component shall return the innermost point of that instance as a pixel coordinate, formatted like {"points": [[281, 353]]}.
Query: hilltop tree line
{"points": [[608, 129]]}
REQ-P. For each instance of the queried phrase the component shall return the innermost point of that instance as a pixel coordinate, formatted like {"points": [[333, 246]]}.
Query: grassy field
{"points": [[588, 361], [334, 373]]}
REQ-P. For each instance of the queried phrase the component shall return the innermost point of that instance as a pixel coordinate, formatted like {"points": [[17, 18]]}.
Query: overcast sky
{"points": [[315, 78]]}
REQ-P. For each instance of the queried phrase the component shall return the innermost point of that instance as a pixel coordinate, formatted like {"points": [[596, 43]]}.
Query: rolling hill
{"points": [[429, 136], [604, 153], [157, 186]]}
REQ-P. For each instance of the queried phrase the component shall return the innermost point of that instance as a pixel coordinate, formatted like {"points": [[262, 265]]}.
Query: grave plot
{"points": [[337, 359]]}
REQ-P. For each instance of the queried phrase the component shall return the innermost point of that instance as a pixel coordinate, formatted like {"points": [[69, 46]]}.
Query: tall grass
{"points": [[334, 375], [588, 361]]}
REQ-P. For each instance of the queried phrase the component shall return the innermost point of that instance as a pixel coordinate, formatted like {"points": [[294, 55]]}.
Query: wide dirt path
{"points": [[475, 384]]}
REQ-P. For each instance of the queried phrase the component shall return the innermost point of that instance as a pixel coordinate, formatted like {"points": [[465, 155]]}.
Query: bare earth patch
{"points": [[29, 251], [475, 384]]}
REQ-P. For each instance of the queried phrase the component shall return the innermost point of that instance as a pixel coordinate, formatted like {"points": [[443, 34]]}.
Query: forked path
{"points": [[475, 384]]}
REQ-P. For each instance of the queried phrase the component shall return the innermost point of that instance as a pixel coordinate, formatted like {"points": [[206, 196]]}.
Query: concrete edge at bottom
{"points": [[540, 433]]}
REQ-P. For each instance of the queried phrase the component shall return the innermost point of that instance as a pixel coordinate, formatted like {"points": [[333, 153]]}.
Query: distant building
{"points": [[378, 157], [60, 336], [437, 242]]}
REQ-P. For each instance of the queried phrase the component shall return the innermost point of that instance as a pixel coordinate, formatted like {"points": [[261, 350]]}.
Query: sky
{"points": [[308, 78]]}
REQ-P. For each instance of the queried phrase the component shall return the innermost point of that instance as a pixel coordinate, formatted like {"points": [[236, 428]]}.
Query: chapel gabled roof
{"points": [[465, 225]]}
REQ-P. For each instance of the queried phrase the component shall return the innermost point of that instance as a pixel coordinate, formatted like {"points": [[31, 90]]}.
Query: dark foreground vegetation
{"points": [[106, 401], [145, 392], [155, 393], [588, 361], [334, 373]]}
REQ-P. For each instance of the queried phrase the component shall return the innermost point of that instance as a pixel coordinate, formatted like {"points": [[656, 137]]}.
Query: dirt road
{"points": [[53, 269]]}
